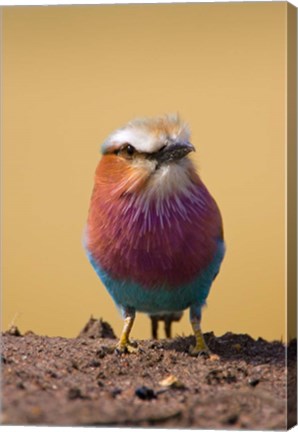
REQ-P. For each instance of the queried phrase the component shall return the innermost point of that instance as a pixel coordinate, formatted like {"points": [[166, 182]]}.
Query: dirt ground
{"points": [[59, 381]]}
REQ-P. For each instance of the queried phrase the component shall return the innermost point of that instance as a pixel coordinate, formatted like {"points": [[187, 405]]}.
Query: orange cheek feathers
{"points": [[114, 175]]}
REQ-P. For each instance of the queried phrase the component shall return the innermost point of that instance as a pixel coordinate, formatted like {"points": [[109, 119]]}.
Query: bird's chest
{"points": [[158, 243]]}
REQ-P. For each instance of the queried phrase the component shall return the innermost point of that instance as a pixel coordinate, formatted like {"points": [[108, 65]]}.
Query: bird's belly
{"points": [[163, 298]]}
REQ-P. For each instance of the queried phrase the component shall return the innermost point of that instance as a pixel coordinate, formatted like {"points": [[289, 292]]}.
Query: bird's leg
{"points": [[124, 345], [168, 325], [154, 327], [195, 319]]}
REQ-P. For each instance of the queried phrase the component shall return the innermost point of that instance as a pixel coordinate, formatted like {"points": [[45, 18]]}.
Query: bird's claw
{"points": [[126, 348], [196, 351]]}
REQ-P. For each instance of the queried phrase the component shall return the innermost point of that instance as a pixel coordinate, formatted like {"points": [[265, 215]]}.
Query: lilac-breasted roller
{"points": [[154, 233]]}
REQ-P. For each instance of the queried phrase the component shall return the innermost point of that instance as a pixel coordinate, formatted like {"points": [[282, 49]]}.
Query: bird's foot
{"points": [[199, 350], [126, 347]]}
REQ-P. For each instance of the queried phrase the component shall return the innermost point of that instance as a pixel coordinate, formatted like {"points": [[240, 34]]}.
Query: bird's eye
{"points": [[130, 150], [126, 150]]}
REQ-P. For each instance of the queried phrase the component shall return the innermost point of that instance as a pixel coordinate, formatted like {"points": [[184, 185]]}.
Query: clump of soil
{"points": [[97, 329], [82, 381]]}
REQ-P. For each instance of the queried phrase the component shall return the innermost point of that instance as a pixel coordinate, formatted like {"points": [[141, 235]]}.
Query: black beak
{"points": [[172, 152]]}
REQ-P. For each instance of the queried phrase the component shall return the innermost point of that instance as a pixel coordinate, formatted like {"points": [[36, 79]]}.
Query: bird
{"points": [[154, 233], [167, 318]]}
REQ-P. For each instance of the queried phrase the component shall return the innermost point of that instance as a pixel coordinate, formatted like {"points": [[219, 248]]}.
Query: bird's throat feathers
{"points": [[116, 178]]}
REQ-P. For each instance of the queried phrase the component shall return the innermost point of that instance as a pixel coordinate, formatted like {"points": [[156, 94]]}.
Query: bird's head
{"points": [[147, 153]]}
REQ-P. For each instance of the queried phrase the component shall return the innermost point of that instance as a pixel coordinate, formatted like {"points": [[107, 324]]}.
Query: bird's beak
{"points": [[173, 152]]}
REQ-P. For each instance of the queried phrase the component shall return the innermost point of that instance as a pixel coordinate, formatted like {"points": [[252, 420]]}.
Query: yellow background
{"points": [[71, 75]]}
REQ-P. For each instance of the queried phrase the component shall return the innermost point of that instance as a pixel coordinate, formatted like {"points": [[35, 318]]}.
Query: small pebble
{"points": [[253, 381], [237, 347], [231, 419], [94, 363], [171, 381], [101, 353], [75, 393], [14, 331], [20, 385], [214, 357], [74, 365], [116, 391], [145, 393]]}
